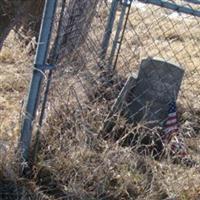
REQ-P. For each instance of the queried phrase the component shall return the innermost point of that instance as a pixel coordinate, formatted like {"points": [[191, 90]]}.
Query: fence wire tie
{"points": [[44, 67], [41, 71]]}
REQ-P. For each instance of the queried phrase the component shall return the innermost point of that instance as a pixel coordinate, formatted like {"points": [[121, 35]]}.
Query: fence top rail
{"points": [[173, 6], [193, 1]]}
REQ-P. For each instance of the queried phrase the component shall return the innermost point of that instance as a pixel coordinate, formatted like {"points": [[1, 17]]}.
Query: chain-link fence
{"points": [[146, 31], [96, 49]]}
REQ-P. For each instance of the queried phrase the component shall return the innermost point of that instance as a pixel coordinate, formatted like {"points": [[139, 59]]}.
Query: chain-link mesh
{"points": [[84, 88], [150, 31]]}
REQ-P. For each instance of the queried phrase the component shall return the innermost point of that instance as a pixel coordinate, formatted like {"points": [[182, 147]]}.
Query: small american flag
{"points": [[171, 135], [171, 125]]}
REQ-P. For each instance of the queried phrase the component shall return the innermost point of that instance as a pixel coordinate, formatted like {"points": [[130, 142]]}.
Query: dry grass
{"points": [[15, 71], [73, 163]]}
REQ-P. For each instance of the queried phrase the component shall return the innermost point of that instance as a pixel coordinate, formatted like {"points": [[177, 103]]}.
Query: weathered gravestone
{"points": [[157, 84]]}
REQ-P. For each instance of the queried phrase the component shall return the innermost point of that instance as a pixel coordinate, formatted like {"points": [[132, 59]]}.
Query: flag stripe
{"points": [[172, 114], [171, 121]]}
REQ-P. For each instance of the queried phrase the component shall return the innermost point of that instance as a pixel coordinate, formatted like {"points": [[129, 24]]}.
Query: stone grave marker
{"points": [[157, 84]]}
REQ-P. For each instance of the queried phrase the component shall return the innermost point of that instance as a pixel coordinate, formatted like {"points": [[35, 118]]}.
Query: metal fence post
{"points": [[53, 58], [122, 35], [37, 77], [124, 4], [108, 30]]}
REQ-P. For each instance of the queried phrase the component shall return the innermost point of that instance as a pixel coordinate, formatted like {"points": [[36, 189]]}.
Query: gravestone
{"points": [[147, 96], [157, 85]]}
